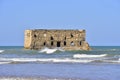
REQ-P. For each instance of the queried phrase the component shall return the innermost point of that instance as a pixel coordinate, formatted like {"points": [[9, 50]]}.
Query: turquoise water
{"points": [[101, 63]]}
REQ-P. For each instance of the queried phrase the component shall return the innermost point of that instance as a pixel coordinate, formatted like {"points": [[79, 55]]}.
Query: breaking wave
{"points": [[49, 51], [55, 60], [5, 62], [1, 51], [44, 60], [88, 56], [112, 61]]}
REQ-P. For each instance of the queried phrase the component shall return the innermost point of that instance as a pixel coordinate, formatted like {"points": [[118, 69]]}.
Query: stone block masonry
{"points": [[66, 39]]}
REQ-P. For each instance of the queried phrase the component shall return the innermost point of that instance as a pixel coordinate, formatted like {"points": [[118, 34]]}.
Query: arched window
{"points": [[72, 43], [51, 38], [64, 43], [44, 43], [35, 35], [80, 43]]}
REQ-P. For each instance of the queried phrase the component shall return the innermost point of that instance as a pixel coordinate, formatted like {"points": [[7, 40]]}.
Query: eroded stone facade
{"points": [[66, 39]]}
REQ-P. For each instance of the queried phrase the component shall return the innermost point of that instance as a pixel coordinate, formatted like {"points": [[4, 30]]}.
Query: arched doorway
{"points": [[58, 43]]}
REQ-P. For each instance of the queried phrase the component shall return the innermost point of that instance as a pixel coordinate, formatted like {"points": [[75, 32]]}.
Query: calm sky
{"points": [[100, 19]]}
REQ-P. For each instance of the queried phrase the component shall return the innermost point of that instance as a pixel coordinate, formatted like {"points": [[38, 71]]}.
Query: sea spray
{"points": [[49, 51]]}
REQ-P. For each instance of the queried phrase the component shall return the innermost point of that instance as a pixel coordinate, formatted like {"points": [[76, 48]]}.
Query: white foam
{"points": [[1, 51], [60, 49], [56, 60], [44, 60], [5, 62], [43, 50], [49, 51], [109, 60], [18, 59], [112, 61], [88, 56], [72, 60]]}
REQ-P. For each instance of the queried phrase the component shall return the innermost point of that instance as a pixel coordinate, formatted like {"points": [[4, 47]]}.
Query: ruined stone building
{"points": [[66, 39]]}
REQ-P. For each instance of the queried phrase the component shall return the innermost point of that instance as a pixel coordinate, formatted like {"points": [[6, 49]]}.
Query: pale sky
{"points": [[100, 19]]}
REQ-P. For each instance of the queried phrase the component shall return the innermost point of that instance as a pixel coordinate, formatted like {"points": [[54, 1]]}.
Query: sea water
{"points": [[101, 63]]}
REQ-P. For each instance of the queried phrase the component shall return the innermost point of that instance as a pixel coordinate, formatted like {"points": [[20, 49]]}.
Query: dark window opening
{"points": [[35, 36], [72, 43], [80, 43], [52, 43], [64, 43], [71, 35], [44, 43], [65, 38], [58, 44], [51, 38]]}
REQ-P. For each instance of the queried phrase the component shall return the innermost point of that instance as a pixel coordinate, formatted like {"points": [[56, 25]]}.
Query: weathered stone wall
{"points": [[66, 39], [28, 39]]}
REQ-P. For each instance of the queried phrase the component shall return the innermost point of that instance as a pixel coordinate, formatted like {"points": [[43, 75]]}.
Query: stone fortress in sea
{"points": [[65, 39]]}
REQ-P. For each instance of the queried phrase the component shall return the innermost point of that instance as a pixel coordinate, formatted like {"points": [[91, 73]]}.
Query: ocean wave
{"points": [[1, 51], [88, 56], [45, 60], [107, 60], [55, 60], [113, 49], [49, 51], [72, 60], [5, 62], [111, 61]]}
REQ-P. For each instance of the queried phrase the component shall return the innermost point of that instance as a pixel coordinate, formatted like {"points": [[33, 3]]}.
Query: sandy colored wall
{"points": [[28, 39], [67, 39]]}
